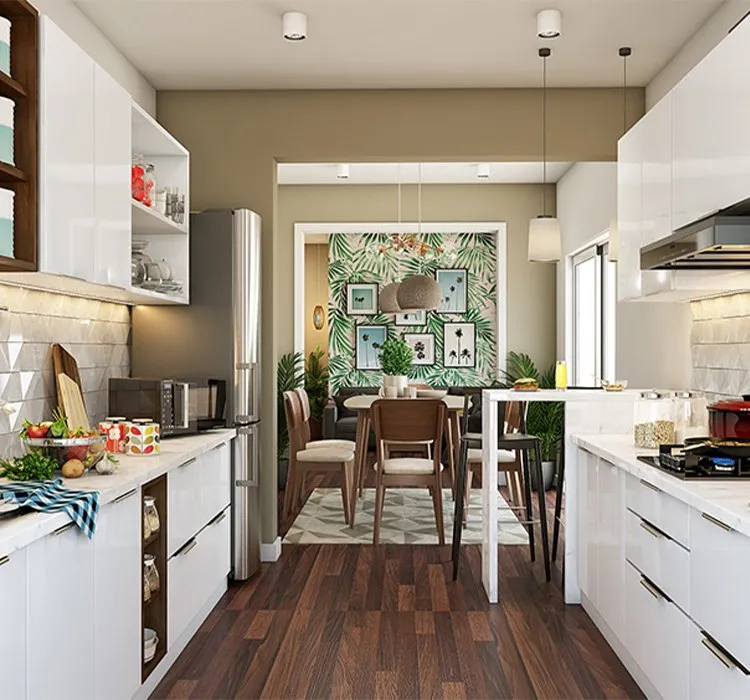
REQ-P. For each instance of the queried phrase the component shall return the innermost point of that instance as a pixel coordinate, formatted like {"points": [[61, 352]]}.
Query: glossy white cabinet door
{"points": [[61, 616], [118, 588], [629, 205], [112, 156], [611, 550], [66, 143], [713, 672], [655, 135], [588, 545], [13, 586]]}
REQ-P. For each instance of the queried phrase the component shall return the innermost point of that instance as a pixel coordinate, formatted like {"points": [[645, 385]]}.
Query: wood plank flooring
{"points": [[349, 621]]}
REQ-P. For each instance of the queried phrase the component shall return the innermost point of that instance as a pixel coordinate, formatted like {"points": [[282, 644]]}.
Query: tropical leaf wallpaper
{"points": [[354, 258]]}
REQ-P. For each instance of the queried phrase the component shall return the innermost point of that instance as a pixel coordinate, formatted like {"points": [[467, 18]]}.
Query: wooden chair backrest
{"points": [[408, 421], [304, 404], [293, 413], [513, 416]]}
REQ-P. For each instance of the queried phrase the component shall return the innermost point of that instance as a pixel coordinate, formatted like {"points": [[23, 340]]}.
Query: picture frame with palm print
{"points": [[459, 346], [453, 283], [423, 347], [362, 299], [412, 318], [368, 340]]}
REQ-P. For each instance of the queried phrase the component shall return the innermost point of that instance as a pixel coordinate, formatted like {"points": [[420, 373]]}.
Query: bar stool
{"points": [[506, 441]]}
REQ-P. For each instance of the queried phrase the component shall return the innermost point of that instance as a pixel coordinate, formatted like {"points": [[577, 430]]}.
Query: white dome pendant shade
{"points": [[418, 293], [388, 300], [544, 239]]}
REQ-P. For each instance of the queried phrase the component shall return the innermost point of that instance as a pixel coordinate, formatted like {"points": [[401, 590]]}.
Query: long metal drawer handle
{"points": [[722, 655], [189, 462], [125, 495], [648, 527], [221, 516], [716, 522], [650, 486], [4, 560], [653, 590], [189, 547], [62, 529]]}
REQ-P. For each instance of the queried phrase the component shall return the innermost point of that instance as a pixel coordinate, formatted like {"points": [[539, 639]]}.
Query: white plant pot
{"points": [[396, 381]]}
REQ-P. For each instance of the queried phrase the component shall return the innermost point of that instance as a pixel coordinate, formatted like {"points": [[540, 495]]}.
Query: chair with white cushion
{"points": [[399, 421], [304, 402], [319, 458]]}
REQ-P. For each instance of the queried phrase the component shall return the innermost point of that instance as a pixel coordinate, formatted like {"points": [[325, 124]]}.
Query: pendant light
{"points": [[614, 231], [544, 231], [419, 292], [388, 300], [319, 313]]}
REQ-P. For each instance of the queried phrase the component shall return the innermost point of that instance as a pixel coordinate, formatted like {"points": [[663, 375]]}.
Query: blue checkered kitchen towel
{"points": [[50, 496]]}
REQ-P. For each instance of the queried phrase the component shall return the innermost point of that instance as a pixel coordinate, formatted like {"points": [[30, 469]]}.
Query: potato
{"points": [[73, 468]]}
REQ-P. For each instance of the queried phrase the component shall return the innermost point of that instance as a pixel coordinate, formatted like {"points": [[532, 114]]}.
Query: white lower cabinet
{"points": [[588, 479], [714, 673], [61, 616], [656, 634], [118, 590], [13, 587], [611, 550], [195, 571]]}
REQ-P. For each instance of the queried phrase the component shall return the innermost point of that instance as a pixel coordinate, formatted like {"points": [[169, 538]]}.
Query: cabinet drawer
{"points": [[659, 557], [195, 571], [719, 574], [668, 514], [196, 491], [13, 584], [714, 673], [656, 634]]}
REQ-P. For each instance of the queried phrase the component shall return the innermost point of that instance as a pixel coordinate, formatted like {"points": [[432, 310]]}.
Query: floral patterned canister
{"points": [[143, 438]]}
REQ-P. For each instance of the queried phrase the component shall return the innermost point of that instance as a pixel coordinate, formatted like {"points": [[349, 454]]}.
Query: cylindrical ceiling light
{"points": [[613, 253], [545, 244], [388, 299], [549, 24], [342, 171], [483, 171], [294, 26]]}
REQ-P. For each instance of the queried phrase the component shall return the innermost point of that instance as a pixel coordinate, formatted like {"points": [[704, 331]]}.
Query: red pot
{"points": [[730, 420]]}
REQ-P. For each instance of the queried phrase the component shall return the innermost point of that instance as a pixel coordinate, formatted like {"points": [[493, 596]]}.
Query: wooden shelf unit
{"points": [[154, 613], [23, 88]]}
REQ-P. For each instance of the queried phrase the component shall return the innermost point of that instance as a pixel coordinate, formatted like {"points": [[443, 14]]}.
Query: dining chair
{"points": [[527, 445], [304, 402], [416, 421], [304, 460]]}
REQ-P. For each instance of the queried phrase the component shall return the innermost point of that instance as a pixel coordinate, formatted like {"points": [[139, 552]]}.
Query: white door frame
{"points": [[304, 230]]}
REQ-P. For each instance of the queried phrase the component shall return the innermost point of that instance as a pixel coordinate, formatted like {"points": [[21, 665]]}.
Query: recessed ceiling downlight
{"points": [[549, 24], [294, 26]]}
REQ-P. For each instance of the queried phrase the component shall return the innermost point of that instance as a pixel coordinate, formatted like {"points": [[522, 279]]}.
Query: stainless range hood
{"points": [[719, 242]]}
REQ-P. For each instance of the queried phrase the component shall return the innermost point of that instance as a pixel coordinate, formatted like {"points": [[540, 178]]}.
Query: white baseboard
{"points": [[178, 647], [270, 552]]}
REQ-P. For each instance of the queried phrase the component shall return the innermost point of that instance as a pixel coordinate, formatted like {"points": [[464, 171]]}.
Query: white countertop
{"points": [[727, 500], [561, 395], [16, 533]]}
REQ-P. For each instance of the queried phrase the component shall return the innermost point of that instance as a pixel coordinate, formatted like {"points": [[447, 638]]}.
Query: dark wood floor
{"points": [[348, 621]]}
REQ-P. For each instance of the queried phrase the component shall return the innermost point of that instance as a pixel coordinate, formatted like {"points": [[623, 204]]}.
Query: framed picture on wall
{"points": [[369, 340], [412, 318], [423, 347], [362, 299], [453, 284], [459, 346]]}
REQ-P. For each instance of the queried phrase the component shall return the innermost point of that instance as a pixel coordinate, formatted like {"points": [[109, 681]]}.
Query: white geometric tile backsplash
{"points": [[96, 333], [720, 345]]}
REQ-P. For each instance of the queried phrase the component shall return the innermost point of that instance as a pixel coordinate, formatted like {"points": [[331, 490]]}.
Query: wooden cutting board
{"points": [[64, 363], [71, 402]]}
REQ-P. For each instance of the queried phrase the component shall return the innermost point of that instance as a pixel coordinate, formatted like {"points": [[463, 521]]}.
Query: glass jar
{"points": [[654, 421], [137, 173], [150, 516], [691, 415], [151, 572], [146, 587], [146, 522], [149, 185]]}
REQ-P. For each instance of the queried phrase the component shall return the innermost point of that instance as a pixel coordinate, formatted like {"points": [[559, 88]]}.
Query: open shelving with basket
{"points": [[22, 88]]}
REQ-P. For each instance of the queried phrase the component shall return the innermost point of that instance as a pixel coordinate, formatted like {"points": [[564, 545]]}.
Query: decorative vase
{"points": [[548, 475], [396, 381]]}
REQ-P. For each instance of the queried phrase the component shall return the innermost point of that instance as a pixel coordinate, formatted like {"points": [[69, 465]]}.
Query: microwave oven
{"points": [[181, 407]]}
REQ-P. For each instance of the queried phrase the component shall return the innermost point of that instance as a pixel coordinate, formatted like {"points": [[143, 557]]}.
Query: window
{"points": [[594, 303]]}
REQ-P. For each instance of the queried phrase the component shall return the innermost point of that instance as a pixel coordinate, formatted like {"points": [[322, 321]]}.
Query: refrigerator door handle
{"points": [[251, 455]]}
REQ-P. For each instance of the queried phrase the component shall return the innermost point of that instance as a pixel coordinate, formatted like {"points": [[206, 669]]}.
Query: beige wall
{"points": [[236, 137], [316, 292], [531, 286]]}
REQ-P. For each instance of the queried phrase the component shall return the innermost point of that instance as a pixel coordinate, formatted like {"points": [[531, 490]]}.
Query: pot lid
{"points": [[730, 405]]}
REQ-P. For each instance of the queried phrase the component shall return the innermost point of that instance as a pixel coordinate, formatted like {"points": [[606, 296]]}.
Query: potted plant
{"points": [[396, 358], [289, 375], [316, 386]]}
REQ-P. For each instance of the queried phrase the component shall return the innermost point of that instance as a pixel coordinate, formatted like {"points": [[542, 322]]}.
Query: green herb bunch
{"points": [[33, 466]]}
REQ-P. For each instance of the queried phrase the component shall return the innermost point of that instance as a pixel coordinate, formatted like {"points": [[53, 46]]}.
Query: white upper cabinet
{"points": [[66, 148], [112, 154], [629, 219], [655, 140]]}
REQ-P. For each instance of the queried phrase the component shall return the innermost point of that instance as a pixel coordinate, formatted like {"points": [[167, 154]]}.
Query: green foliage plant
{"points": [[396, 357]]}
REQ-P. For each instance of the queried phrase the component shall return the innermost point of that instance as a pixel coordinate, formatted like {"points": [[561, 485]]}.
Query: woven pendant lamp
{"points": [[388, 300]]}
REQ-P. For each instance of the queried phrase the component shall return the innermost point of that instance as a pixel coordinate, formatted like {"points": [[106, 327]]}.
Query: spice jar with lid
{"points": [[146, 587], [654, 422], [152, 573], [150, 516]]}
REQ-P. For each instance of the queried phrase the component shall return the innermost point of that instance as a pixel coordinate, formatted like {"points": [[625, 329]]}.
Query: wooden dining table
{"points": [[362, 403]]}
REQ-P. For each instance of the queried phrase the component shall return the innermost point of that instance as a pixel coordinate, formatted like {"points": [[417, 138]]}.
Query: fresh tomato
{"points": [[77, 452], [37, 431]]}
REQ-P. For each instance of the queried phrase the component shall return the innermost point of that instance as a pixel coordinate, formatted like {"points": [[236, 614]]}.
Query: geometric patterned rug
{"points": [[408, 518]]}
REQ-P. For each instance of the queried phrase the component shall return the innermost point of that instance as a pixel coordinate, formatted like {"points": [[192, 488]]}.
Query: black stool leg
{"points": [[527, 496], [558, 502], [458, 514], [542, 509]]}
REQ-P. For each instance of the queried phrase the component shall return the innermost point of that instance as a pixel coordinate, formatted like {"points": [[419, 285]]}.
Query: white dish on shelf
{"points": [[150, 642], [138, 245]]}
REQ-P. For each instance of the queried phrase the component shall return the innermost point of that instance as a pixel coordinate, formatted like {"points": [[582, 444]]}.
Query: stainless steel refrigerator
{"points": [[218, 336]]}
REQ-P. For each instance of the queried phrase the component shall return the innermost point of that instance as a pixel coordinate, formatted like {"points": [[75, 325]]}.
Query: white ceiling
{"points": [[237, 44], [432, 173]]}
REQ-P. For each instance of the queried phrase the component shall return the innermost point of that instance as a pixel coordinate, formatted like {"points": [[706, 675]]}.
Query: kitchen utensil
{"points": [[64, 363], [90, 450], [730, 419], [72, 403]]}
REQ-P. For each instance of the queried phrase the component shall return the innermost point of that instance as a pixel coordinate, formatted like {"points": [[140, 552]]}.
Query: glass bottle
{"points": [[561, 375], [152, 573], [146, 587], [151, 515]]}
